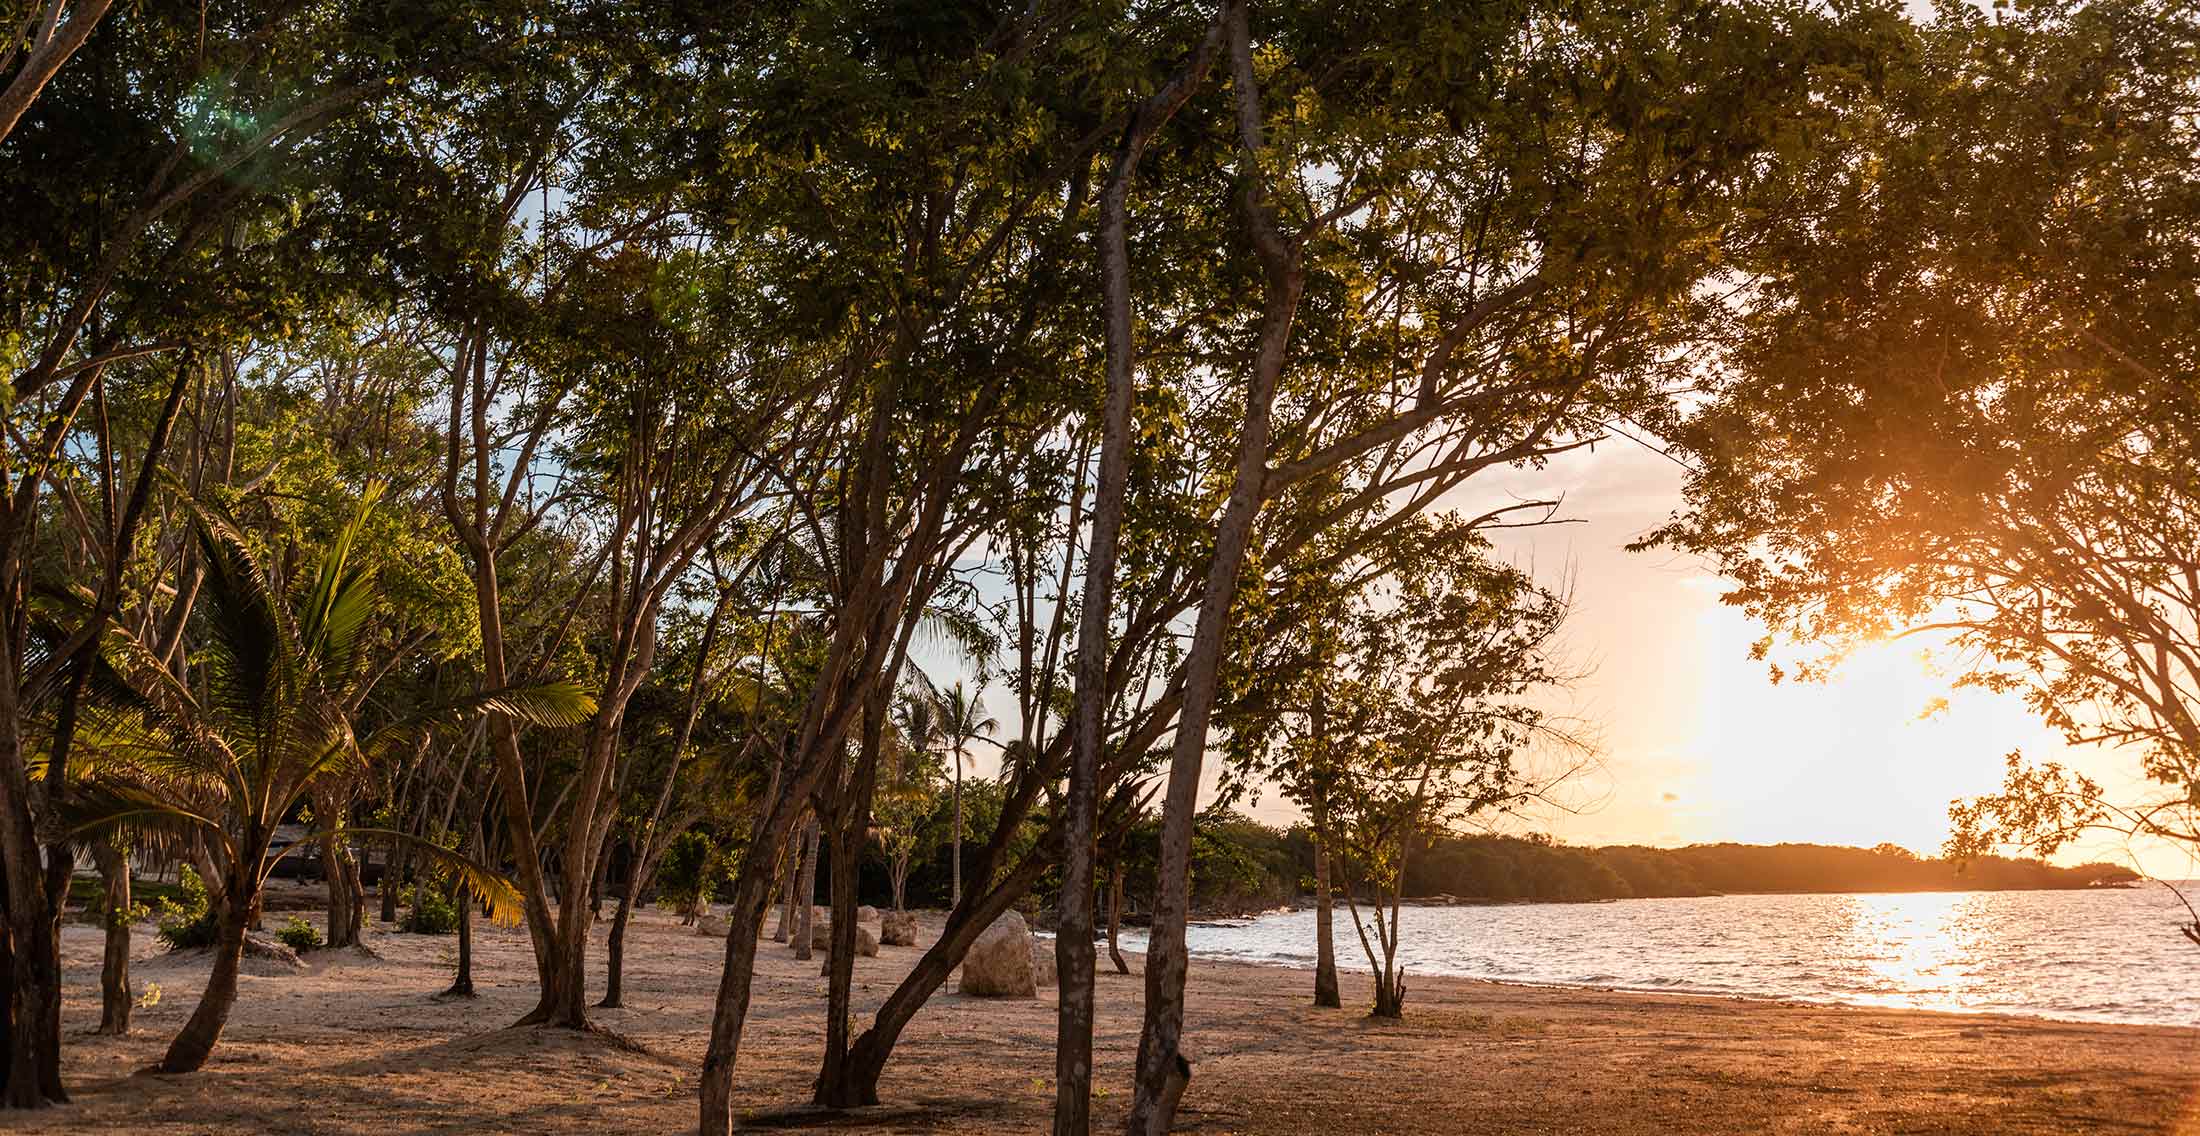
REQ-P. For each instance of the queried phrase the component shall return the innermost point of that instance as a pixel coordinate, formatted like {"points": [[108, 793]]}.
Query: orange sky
{"points": [[1701, 746]]}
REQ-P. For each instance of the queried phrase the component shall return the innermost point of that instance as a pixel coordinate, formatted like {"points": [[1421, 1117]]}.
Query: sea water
{"points": [[2099, 954]]}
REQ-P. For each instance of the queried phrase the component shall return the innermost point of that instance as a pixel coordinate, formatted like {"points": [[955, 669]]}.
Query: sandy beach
{"points": [[358, 1044]]}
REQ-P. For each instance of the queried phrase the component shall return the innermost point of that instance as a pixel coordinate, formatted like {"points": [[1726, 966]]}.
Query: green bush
{"points": [[187, 922], [430, 912], [299, 935]]}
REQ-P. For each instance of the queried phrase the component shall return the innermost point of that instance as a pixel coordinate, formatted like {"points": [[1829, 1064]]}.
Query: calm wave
{"points": [[2104, 954]]}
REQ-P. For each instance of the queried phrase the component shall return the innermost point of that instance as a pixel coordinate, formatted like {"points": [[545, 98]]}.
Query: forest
{"points": [[533, 459]]}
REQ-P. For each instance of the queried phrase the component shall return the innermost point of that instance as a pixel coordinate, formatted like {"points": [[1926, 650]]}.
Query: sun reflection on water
{"points": [[1915, 950]]}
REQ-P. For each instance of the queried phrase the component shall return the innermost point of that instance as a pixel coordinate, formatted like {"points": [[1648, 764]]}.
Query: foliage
{"points": [[299, 935], [429, 911], [1955, 401], [694, 867], [185, 922]]}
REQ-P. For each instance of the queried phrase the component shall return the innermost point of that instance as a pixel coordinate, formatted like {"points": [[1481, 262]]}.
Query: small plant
{"points": [[187, 922], [299, 935], [151, 997], [430, 912]]}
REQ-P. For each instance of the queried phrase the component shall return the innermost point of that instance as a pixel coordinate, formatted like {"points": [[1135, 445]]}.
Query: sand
{"points": [[359, 1044]]}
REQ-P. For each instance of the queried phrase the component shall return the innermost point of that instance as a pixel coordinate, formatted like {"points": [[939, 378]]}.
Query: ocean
{"points": [[2099, 954]]}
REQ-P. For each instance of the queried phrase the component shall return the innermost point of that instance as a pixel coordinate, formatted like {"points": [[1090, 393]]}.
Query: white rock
{"points": [[999, 963]]}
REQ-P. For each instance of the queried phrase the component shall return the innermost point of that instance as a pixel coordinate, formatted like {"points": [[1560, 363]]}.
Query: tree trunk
{"points": [[346, 898], [744, 928], [34, 985], [867, 1057], [188, 1052], [1115, 918], [851, 822], [955, 866], [1325, 947], [1162, 1069], [462, 984], [114, 968], [614, 984], [790, 870], [600, 881], [392, 873], [805, 890]]}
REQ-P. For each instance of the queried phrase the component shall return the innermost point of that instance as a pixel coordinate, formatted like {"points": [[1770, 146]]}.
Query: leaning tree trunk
{"points": [[188, 1052], [114, 967], [868, 1056], [1325, 946]]}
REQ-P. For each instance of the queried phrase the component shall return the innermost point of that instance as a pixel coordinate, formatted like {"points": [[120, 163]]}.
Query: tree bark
{"points": [[867, 1057], [34, 987], [114, 969], [1073, 951], [1325, 946], [790, 870], [1162, 1069], [188, 1052], [1115, 919], [346, 897], [955, 861], [852, 821], [805, 891], [44, 60], [462, 983]]}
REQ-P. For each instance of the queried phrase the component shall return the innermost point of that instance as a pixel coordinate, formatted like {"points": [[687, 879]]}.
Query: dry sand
{"points": [[355, 1044]]}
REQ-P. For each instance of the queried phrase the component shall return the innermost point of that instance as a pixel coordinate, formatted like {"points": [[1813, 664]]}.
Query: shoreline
{"points": [[359, 1045]]}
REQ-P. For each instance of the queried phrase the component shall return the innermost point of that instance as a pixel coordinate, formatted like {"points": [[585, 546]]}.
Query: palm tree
{"points": [[907, 793], [963, 720], [267, 719]]}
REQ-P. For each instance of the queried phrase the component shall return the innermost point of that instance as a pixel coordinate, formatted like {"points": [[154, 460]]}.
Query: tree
{"points": [[1954, 403], [1425, 297], [963, 721], [909, 792], [281, 678]]}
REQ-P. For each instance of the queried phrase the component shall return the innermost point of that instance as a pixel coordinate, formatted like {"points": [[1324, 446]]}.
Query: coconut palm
{"points": [[267, 718], [908, 792], [963, 721]]}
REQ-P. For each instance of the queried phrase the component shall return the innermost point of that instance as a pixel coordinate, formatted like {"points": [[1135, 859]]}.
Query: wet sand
{"points": [[356, 1044]]}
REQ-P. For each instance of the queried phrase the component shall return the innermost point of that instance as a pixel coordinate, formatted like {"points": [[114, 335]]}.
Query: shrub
{"points": [[187, 922], [299, 935], [430, 912]]}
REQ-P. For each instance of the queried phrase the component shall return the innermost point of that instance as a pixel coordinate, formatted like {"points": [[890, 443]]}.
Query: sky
{"points": [[1696, 744], [1700, 745]]}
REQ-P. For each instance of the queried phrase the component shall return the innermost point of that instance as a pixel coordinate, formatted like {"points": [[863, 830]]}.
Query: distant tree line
{"points": [[1241, 865]]}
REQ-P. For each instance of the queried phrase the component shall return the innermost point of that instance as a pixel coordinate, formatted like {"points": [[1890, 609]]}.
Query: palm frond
{"points": [[505, 905], [245, 645], [104, 805], [342, 595], [550, 704]]}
